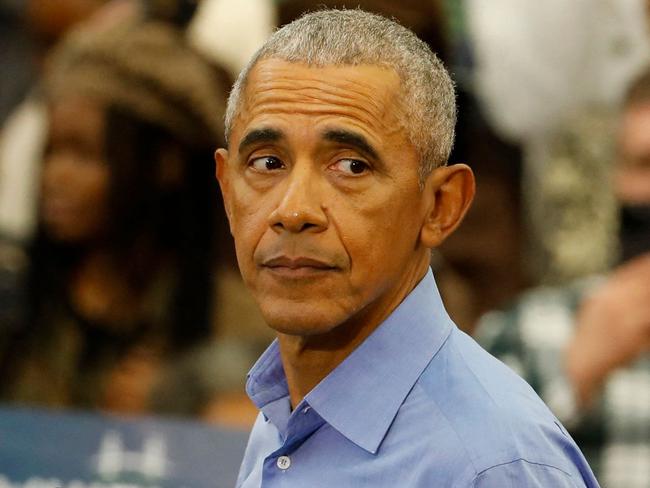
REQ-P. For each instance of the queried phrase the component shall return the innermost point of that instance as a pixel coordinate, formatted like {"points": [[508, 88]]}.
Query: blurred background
{"points": [[119, 290]]}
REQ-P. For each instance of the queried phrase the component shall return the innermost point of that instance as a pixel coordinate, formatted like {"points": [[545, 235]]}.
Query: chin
{"points": [[302, 319]]}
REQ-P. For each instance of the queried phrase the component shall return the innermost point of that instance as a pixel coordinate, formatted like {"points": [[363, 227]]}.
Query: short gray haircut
{"points": [[355, 37]]}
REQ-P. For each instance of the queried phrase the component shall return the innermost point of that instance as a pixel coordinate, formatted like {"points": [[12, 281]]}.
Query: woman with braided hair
{"points": [[120, 282]]}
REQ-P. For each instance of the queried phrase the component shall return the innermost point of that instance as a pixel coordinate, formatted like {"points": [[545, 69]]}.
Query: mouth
{"points": [[297, 267]]}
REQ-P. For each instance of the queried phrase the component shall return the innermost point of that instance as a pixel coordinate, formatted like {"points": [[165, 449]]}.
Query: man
{"points": [[585, 347], [336, 189]]}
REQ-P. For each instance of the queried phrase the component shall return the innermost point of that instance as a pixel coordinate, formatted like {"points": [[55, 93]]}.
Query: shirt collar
{"points": [[266, 381], [362, 395]]}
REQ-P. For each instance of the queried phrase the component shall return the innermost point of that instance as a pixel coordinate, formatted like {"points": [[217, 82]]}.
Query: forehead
{"points": [[364, 96]]}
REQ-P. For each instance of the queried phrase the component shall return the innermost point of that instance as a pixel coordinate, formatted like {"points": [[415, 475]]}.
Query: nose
{"points": [[300, 208]]}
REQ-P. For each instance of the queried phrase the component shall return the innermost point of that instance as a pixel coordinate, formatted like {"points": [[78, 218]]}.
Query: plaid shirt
{"points": [[531, 337]]}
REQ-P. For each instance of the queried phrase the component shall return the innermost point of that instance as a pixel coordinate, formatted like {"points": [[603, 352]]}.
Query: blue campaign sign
{"points": [[42, 449]]}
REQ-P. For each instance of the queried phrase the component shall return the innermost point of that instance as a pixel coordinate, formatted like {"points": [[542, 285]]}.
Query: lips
{"points": [[295, 263], [295, 267]]}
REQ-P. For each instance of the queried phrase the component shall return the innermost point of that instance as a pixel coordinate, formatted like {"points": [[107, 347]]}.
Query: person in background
{"points": [[585, 347], [551, 76], [119, 285]]}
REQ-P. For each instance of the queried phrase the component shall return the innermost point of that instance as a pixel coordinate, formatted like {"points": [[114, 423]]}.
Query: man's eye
{"points": [[266, 163], [351, 166]]}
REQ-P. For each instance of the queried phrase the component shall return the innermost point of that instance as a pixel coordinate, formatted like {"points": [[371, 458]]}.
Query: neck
{"points": [[309, 359]]}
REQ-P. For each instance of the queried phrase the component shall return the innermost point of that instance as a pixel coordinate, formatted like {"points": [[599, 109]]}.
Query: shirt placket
{"points": [[277, 470]]}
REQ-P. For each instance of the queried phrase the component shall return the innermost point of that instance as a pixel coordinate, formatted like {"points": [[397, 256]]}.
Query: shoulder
{"points": [[492, 415]]}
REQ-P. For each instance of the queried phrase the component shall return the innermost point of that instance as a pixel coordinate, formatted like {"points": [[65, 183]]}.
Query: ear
{"points": [[449, 191], [221, 172]]}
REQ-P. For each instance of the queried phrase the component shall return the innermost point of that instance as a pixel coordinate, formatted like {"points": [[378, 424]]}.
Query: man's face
{"points": [[321, 187]]}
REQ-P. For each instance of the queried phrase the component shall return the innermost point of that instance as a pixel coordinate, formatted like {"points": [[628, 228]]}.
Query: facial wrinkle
{"points": [[276, 86]]}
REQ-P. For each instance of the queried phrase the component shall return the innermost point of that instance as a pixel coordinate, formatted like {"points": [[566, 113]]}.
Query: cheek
{"points": [[248, 221], [93, 197], [91, 188], [75, 202], [95, 184], [379, 238]]}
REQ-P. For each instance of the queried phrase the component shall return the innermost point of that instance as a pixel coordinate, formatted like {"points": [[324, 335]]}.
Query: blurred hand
{"points": [[612, 330]]}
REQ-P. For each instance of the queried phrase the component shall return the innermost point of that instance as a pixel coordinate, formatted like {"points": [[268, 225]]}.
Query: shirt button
{"points": [[283, 462], [306, 409]]}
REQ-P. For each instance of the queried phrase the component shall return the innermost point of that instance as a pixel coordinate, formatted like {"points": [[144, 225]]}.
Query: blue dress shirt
{"points": [[417, 404]]}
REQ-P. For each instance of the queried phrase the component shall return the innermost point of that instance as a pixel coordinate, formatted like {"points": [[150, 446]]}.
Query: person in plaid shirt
{"points": [[585, 347]]}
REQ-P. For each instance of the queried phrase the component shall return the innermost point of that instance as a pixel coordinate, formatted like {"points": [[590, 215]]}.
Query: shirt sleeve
{"points": [[531, 475]]}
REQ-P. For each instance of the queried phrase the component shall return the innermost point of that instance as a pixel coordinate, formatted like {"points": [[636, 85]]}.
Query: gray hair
{"points": [[354, 37]]}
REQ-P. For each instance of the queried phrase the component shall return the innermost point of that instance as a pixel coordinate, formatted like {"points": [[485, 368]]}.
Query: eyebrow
{"points": [[351, 139], [259, 135]]}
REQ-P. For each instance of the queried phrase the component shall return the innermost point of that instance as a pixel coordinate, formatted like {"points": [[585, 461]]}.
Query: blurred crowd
{"points": [[119, 288]]}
